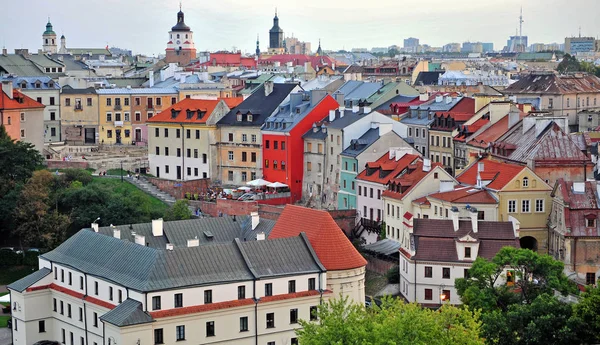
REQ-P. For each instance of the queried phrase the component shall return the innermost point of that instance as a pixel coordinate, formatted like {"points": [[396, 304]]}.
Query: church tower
{"points": [[49, 40], [180, 48], [276, 35], [257, 48]]}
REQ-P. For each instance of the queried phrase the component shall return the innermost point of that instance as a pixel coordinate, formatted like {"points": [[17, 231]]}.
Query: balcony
{"points": [[118, 107], [118, 123], [370, 225]]}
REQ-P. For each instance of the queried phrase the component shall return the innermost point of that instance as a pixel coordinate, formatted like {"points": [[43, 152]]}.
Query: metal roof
{"points": [[23, 283], [128, 313], [30, 83], [357, 146], [18, 65], [142, 91], [384, 247]]}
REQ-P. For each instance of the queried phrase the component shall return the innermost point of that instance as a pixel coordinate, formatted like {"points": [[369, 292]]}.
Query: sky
{"points": [[143, 25]]}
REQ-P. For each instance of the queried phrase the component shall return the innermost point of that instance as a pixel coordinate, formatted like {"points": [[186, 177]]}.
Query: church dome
{"points": [[49, 30], [180, 26]]}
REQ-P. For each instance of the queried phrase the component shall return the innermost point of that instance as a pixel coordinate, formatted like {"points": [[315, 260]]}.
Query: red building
{"points": [[283, 146]]}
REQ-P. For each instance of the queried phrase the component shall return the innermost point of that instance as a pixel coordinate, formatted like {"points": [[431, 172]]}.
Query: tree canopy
{"points": [[395, 322]]}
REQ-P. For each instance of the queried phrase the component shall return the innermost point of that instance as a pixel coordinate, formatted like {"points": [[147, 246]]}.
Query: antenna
{"points": [[180, 5], [580, 32]]}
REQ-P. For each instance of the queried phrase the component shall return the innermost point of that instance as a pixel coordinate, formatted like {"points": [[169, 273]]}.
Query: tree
{"points": [[395, 322], [32, 207], [588, 312], [568, 64], [179, 211]]}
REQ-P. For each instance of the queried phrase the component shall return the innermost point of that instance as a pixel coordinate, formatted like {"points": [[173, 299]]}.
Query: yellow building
{"points": [[79, 116], [520, 193], [114, 110]]}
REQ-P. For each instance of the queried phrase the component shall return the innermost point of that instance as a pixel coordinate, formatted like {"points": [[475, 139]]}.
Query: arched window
{"points": [[525, 182], [9, 120], [177, 35]]}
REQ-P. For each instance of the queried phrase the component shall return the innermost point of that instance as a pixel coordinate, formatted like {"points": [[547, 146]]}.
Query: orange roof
{"points": [[385, 163], [422, 201], [410, 179], [330, 243], [19, 101], [467, 195], [492, 133], [206, 106], [502, 173]]}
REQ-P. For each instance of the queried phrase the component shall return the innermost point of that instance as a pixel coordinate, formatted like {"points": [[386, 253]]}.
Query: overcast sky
{"points": [[142, 25]]}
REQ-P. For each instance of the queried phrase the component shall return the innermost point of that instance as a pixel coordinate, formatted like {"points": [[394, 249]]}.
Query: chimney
{"points": [[342, 110], [513, 116], [157, 227], [426, 164], [268, 85], [151, 78], [480, 166], [95, 226], [4, 51], [423, 97], [116, 233], [306, 66], [448, 99], [193, 242], [439, 99], [141, 240], [579, 187], [260, 236], [516, 225], [339, 97], [366, 110], [355, 109], [474, 221], [331, 115], [7, 88], [295, 100], [316, 96], [170, 246], [455, 223], [255, 219], [446, 186]]}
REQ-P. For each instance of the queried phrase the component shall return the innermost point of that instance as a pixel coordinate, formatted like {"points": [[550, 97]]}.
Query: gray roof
{"points": [[354, 90], [23, 283], [145, 269], [30, 82], [128, 313], [141, 91], [357, 146], [348, 118], [18, 65], [316, 132], [384, 247]]}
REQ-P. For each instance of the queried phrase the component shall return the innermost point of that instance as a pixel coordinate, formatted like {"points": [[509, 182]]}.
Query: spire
{"points": [[179, 6], [319, 50], [257, 47]]}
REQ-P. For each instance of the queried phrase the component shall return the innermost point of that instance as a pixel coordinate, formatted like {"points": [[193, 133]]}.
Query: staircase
{"points": [[149, 188]]}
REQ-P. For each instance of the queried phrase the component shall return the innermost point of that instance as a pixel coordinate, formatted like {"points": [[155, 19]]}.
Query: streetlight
{"points": [[442, 294], [121, 171]]}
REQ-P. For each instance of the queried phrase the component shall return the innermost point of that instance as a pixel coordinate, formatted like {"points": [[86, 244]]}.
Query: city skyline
{"points": [[227, 24]]}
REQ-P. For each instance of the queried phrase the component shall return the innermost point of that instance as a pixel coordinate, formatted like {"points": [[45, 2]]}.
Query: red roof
{"points": [[19, 101], [466, 195], [493, 133], [72, 293], [297, 60], [387, 168], [422, 201], [228, 59], [330, 243], [399, 187], [503, 173], [207, 106]]}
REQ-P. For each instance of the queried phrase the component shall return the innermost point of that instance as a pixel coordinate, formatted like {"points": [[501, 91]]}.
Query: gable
{"points": [[535, 183]]}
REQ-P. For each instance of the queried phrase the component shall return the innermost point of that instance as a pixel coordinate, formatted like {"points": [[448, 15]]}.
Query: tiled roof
{"points": [[505, 173], [550, 83], [358, 146], [492, 133], [23, 283], [193, 107], [435, 239], [466, 195], [297, 59], [578, 207], [329, 242], [128, 313], [291, 114], [386, 169], [399, 101], [422, 201], [18, 101], [399, 187]]}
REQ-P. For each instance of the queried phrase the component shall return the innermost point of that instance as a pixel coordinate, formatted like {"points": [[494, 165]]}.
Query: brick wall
{"points": [[378, 265], [345, 219], [59, 164], [177, 189]]}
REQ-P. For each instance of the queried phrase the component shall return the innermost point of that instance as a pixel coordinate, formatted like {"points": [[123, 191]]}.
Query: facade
{"points": [[183, 139], [588, 120], [22, 116], [574, 45], [443, 250], [145, 103], [283, 146], [181, 48], [47, 92], [79, 116], [521, 194], [462, 199], [264, 286], [49, 42], [573, 227], [240, 134]]}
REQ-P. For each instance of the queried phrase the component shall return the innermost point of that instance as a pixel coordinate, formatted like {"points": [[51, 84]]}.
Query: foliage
{"points": [[393, 275], [570, 63], [395, 322], [382, 232], [32, 208], [588, 312], [178, 211]]}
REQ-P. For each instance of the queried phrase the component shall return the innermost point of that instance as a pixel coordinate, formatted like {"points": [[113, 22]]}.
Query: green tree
{"points": [[568, 64], [179, 211], [588, 312], [395, 322], [32, 208]]}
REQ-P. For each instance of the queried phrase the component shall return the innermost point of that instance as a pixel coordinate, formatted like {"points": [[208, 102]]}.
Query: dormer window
{"points": [[38, 85], [200, 114], [173, 113], [525, 182], [239, 117], [467, 252], [51, 85], [297, 110], [189, 114], [590, 223], [23, 85], [249, 117]]}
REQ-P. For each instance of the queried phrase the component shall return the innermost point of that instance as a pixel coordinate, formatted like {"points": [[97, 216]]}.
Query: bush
{"points": [[393, 275], [31, 259], [9, 258]]}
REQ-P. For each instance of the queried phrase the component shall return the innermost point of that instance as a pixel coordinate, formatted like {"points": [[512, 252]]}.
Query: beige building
{"points": [[79, 116]]}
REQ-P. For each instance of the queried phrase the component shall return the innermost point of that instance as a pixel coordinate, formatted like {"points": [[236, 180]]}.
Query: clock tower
{"points": [[180, 48]]}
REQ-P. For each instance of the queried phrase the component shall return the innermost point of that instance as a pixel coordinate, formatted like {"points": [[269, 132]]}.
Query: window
{"points": [[180, 333], [275, 165], [54, 304], [110, 293], [71, 337], [253, 138], [81, 283], [467, 252], [379, 194], [428, 294], [539, 205], [244, 156], [525, 206], [244, 324], [166, 132], [158, 101], [178, 133], [244, 176], [210, 329], [178, 152], [70, 278], [64, 338], [283, 145], [269, 289], [95, 319], [590, 278], [150, 114], [89, 102], [108, 101], [42, 326], [96, 288], [244, 138], [512, 206], [446, 272], [81, 341], [230, 137], [445, 296], [275, 145], [178, 300], [525, 182], [80, 314], [166, 151], [166, 166], [67, 102], [291, 286], [157, 150], [204, 158], [158, 336], [156, 303], [428, 271], [197, 134], [109, 133], [195, 171], [313, 313], [207, 296], [312, 284], [173, 100], [282, 165], [270, 320], [22, 117], [230, 175], [241, 292], [590, 222], [108, 117], [293, 316], [270, 343], [62, 308], [319, 148], [253, 157], [69, 310]]}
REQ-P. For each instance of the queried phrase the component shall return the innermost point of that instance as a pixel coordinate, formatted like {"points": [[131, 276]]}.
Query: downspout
{"points": [[574, 254], [104, 333], [415, 292], [255, 311], [182, 153], [85, 311]]}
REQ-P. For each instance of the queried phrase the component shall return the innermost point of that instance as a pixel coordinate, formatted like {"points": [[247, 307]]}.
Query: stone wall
{"points": [[177, 189], [60, 164], [345, 219], [377, 265]]}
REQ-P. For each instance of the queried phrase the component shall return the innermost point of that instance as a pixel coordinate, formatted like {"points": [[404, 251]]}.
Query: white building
{"points": [[442, 250]]}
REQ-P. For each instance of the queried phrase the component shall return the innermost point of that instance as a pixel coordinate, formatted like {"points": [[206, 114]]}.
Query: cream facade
{"points": [[79, 116]]}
